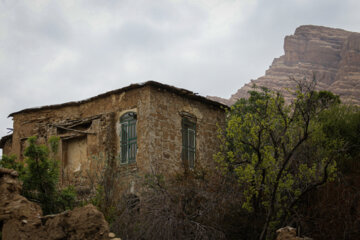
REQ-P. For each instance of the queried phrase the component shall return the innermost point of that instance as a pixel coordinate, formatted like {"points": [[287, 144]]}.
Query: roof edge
{"points": [[179, 91]]}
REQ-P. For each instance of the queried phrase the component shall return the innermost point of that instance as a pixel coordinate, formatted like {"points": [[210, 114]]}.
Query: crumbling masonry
{"points": [[142, 128]]}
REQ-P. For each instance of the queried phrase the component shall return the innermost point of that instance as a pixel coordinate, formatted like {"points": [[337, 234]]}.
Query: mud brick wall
{"points": [[90, 136], [166, 112], [93, 142]]}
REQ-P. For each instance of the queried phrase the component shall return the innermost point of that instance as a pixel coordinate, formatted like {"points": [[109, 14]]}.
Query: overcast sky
{"points": [[59, 51]]}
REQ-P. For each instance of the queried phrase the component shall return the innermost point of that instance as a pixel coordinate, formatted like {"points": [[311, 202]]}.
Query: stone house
{"points": [[141, 128]]}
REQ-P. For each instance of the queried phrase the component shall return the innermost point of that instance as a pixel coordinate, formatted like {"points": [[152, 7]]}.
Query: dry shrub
{"points": [[189, 206], [334, 211]]}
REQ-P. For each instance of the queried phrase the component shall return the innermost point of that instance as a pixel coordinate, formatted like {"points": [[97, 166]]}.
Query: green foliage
{"points": [[343, 123], [66, 198], [11, 163], [278, 152], [99, 201], [40, 176]]}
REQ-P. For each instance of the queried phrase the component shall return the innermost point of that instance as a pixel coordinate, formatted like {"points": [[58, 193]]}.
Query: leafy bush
{"points": [[66, 198], [343, 123], [109, 210], [40, 177], [11, 163]]}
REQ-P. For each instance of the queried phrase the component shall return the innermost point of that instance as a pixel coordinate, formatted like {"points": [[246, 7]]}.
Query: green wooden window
{"points": [[128, 138], [188, 142]]}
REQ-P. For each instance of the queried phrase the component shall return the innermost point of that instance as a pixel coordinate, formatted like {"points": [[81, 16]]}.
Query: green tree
{"points": [[40, 177], [278, 152], [42, 174], [343, 122], [11, 163], [329, 213]]}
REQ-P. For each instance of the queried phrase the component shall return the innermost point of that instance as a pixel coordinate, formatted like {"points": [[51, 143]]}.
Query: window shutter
{"points": [[132, 147], [124, 143], [128, 138], [191, 147], [185, 140], [188, 142]]}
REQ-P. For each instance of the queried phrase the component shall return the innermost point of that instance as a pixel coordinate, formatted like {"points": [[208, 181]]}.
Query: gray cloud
{"points": [[59, 51]]}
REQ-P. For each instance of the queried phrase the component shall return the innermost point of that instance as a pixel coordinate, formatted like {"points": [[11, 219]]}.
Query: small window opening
{"points": [[82, 126]]}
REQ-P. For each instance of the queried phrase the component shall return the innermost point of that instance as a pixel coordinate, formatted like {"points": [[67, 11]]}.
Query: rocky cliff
{"points": [[331, 55]]}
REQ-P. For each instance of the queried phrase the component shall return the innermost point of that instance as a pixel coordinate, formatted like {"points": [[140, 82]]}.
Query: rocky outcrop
{"points": [[347, 80], [331, 55], [21, 219]]}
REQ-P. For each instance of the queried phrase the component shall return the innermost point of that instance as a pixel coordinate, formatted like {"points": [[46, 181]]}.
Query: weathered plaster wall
{"points": [[165, 117], [160, 138], [90, 139], [7, 149], [75, 159], [87, 146]]}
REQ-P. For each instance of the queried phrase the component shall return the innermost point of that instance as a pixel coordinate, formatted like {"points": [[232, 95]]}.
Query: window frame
{"points": [[128, 138], [188, 129]]}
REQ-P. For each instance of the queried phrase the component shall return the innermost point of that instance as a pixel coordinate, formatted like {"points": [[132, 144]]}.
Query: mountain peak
{"points": [[331, 55]]}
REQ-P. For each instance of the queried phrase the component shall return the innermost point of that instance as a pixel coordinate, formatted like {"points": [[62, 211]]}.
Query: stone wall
{"points": [[7, 144], [167, 111], [160, 139], [90, 136], [87, 132]]}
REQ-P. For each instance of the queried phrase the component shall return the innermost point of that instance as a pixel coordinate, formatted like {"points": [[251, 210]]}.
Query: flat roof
{"points": [[178, 91]]}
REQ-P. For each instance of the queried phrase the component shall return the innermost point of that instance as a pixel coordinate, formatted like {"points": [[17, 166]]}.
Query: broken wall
{"points": [[21, 219], [90, 139], [6, 144], [88, 134]]}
